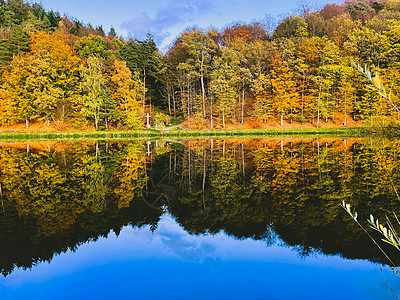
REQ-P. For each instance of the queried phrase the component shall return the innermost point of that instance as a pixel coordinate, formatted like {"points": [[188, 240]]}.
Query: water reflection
{"points": [[57, 196], [172, 264]]}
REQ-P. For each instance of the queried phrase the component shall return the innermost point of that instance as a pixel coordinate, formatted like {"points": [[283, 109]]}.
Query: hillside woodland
{"points": [[65, 74]]}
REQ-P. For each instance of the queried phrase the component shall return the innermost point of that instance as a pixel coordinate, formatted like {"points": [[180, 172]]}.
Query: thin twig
{"points": [[388, 284], [379, 247]]}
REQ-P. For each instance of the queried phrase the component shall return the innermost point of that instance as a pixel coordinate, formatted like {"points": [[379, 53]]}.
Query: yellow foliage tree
{"points": [[284, 87], [65, 63], [126, 91]]}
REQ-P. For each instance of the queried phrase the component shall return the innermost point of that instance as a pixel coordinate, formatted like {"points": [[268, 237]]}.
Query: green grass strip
{"points": [[181, 134]]}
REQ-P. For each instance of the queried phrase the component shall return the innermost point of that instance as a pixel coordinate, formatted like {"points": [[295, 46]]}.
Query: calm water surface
{"points": [[210, 219]]}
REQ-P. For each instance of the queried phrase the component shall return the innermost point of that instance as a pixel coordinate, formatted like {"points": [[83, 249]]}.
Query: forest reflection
{"points": [[56, 196]]}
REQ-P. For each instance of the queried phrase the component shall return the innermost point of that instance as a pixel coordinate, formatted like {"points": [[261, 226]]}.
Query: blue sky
{"points": [[166, 19]]}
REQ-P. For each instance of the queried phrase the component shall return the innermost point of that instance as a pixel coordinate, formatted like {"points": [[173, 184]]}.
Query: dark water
{"points": [[255, 219]]}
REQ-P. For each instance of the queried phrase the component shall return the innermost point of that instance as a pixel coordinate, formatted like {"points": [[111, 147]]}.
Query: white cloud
{"points": [[169, 15]]}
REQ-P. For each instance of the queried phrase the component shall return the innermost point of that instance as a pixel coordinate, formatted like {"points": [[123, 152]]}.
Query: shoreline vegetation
{"points": [[153, 134]]}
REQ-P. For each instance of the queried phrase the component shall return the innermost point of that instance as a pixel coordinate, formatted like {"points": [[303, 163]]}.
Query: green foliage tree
{"points": [[142, 57], [92, 45], [5, 53], [93, 88], [292, 27], [19, 40], [225, 83]]}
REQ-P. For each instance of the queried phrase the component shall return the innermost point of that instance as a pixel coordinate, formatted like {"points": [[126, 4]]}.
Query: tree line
{"points": [[60, 71], [300, 72]]}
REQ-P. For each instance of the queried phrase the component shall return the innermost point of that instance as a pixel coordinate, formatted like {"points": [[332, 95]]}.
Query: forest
{"points": [[69, 75]]}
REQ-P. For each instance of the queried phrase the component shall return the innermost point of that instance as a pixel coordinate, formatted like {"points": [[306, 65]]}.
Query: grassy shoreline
{"points": [[182, 134]]}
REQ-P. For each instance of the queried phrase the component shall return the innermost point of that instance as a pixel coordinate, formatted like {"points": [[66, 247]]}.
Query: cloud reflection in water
{"points": [[170, 263]]}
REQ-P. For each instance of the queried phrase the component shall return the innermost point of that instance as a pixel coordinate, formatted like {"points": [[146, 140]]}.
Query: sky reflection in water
{"points": [[172, 264]]}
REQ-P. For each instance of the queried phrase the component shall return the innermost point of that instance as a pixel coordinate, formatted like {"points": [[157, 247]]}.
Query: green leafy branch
{"points": [[388, 232], [377, 84]]}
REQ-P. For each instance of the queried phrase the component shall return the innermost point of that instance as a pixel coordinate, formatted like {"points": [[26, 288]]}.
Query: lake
{"points": [[196, 219]]}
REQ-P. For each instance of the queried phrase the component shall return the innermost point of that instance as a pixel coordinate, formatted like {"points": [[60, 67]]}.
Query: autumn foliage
{"points": [[62, 73]]}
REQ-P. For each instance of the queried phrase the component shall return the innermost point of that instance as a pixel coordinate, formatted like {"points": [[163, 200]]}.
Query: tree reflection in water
{"points": [[56, 196]]}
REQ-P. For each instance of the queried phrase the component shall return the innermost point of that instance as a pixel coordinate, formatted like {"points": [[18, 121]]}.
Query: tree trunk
{"points": [[223, 116], [144, 89], [281, 120], [243, 162], [173, 101], [243, 104], [169, 100], [319, 94], [302, 102], [291, 115], [189, 167], [204, 169], [27, 122], [188, 101], [211, 117], [95, 121], [319, 100], [203, 90], [319, 166]]}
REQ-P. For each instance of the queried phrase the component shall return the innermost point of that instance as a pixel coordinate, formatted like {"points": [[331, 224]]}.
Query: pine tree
{"points": [[5, 54], [19, 40]]}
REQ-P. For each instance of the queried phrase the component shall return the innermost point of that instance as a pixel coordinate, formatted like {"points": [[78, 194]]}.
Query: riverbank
{"points": [[180, 134]]}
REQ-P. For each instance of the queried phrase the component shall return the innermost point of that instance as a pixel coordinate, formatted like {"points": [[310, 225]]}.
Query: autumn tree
{"points": [[291, 28], [200, 47], [17, 103], [93, 88], [126, 92], [92, 45], [225, 84], [285, 97]]}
